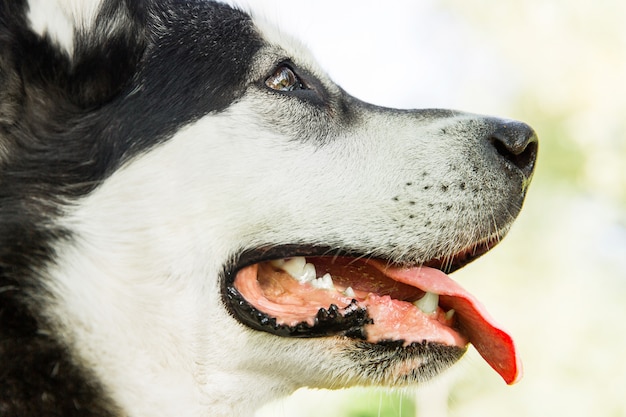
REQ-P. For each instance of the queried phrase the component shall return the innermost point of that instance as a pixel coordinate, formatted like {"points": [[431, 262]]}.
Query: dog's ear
{"points": [[83, 50]]}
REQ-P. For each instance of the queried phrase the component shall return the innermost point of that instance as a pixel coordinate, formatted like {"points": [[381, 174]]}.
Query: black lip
{"points": [[268, 253], [464, 257], [271, 252], [328, 322]]}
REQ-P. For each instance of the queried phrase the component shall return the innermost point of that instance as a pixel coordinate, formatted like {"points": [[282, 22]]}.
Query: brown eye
{"points": [[284, 79]]}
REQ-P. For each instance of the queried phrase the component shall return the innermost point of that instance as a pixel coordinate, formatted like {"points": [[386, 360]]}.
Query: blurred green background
{"points": [[558, 281]]}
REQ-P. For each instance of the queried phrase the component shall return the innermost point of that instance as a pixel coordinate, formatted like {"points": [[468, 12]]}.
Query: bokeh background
{"points": [[558, 281]]}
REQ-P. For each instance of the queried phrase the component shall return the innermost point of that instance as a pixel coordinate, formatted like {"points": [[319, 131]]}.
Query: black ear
{"points": [[107, 51], [83, 52]]}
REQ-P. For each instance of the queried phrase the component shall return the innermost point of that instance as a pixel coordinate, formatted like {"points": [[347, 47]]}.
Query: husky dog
{"points": [[194, 219]]}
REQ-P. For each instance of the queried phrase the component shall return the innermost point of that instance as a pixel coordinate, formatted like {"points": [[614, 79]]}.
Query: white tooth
{"points": [[428, 303], [328, 280], [324, 283], [294, 266], [450, 314], [349, 292], [308, 273]]}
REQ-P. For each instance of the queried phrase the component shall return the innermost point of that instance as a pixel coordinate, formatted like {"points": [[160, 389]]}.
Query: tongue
{"points": [[494, 344]]}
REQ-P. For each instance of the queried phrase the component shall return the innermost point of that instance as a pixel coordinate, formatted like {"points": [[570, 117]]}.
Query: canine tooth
{"points": [[428, 303], [294, 266], [450, 314], [348, 292], [324, 283]]}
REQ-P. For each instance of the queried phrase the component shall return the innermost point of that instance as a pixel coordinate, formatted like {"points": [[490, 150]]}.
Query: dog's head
{"points": [[214, 221]]}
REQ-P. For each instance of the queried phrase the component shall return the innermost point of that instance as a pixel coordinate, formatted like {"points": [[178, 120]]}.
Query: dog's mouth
{"points": [[295, 291]]}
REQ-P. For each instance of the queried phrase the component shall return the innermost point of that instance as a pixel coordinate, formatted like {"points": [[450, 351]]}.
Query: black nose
{"points": [[516, 142]]}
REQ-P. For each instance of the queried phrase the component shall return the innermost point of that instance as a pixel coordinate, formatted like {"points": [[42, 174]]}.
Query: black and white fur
{"points": [[141, 154]]}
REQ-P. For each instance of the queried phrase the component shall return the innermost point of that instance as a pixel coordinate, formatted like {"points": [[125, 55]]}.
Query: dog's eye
{"points": [[284, 79]]}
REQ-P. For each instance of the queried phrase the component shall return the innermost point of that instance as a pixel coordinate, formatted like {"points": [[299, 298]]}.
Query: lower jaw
{"points": [[394, 364]]}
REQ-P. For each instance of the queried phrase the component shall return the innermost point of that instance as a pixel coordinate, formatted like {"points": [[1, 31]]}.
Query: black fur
{"points": [[65, 125]]}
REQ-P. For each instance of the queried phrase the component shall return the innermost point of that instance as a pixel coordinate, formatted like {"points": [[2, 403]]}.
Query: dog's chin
{"points": [[395, 364], [395, 331]]}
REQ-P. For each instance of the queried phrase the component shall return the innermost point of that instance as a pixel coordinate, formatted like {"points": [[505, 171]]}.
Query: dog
{"points": [[194, 219]]}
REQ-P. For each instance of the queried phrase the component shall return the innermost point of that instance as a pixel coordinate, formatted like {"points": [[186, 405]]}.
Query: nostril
{"points": [[517, 143], [524, 160]]}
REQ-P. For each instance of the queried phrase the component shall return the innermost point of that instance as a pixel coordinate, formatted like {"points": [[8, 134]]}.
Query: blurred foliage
{"points": [[561, 160], [359, 404]]}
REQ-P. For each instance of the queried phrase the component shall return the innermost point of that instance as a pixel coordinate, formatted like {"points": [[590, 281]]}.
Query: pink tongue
{"points": [[494, 344]]}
